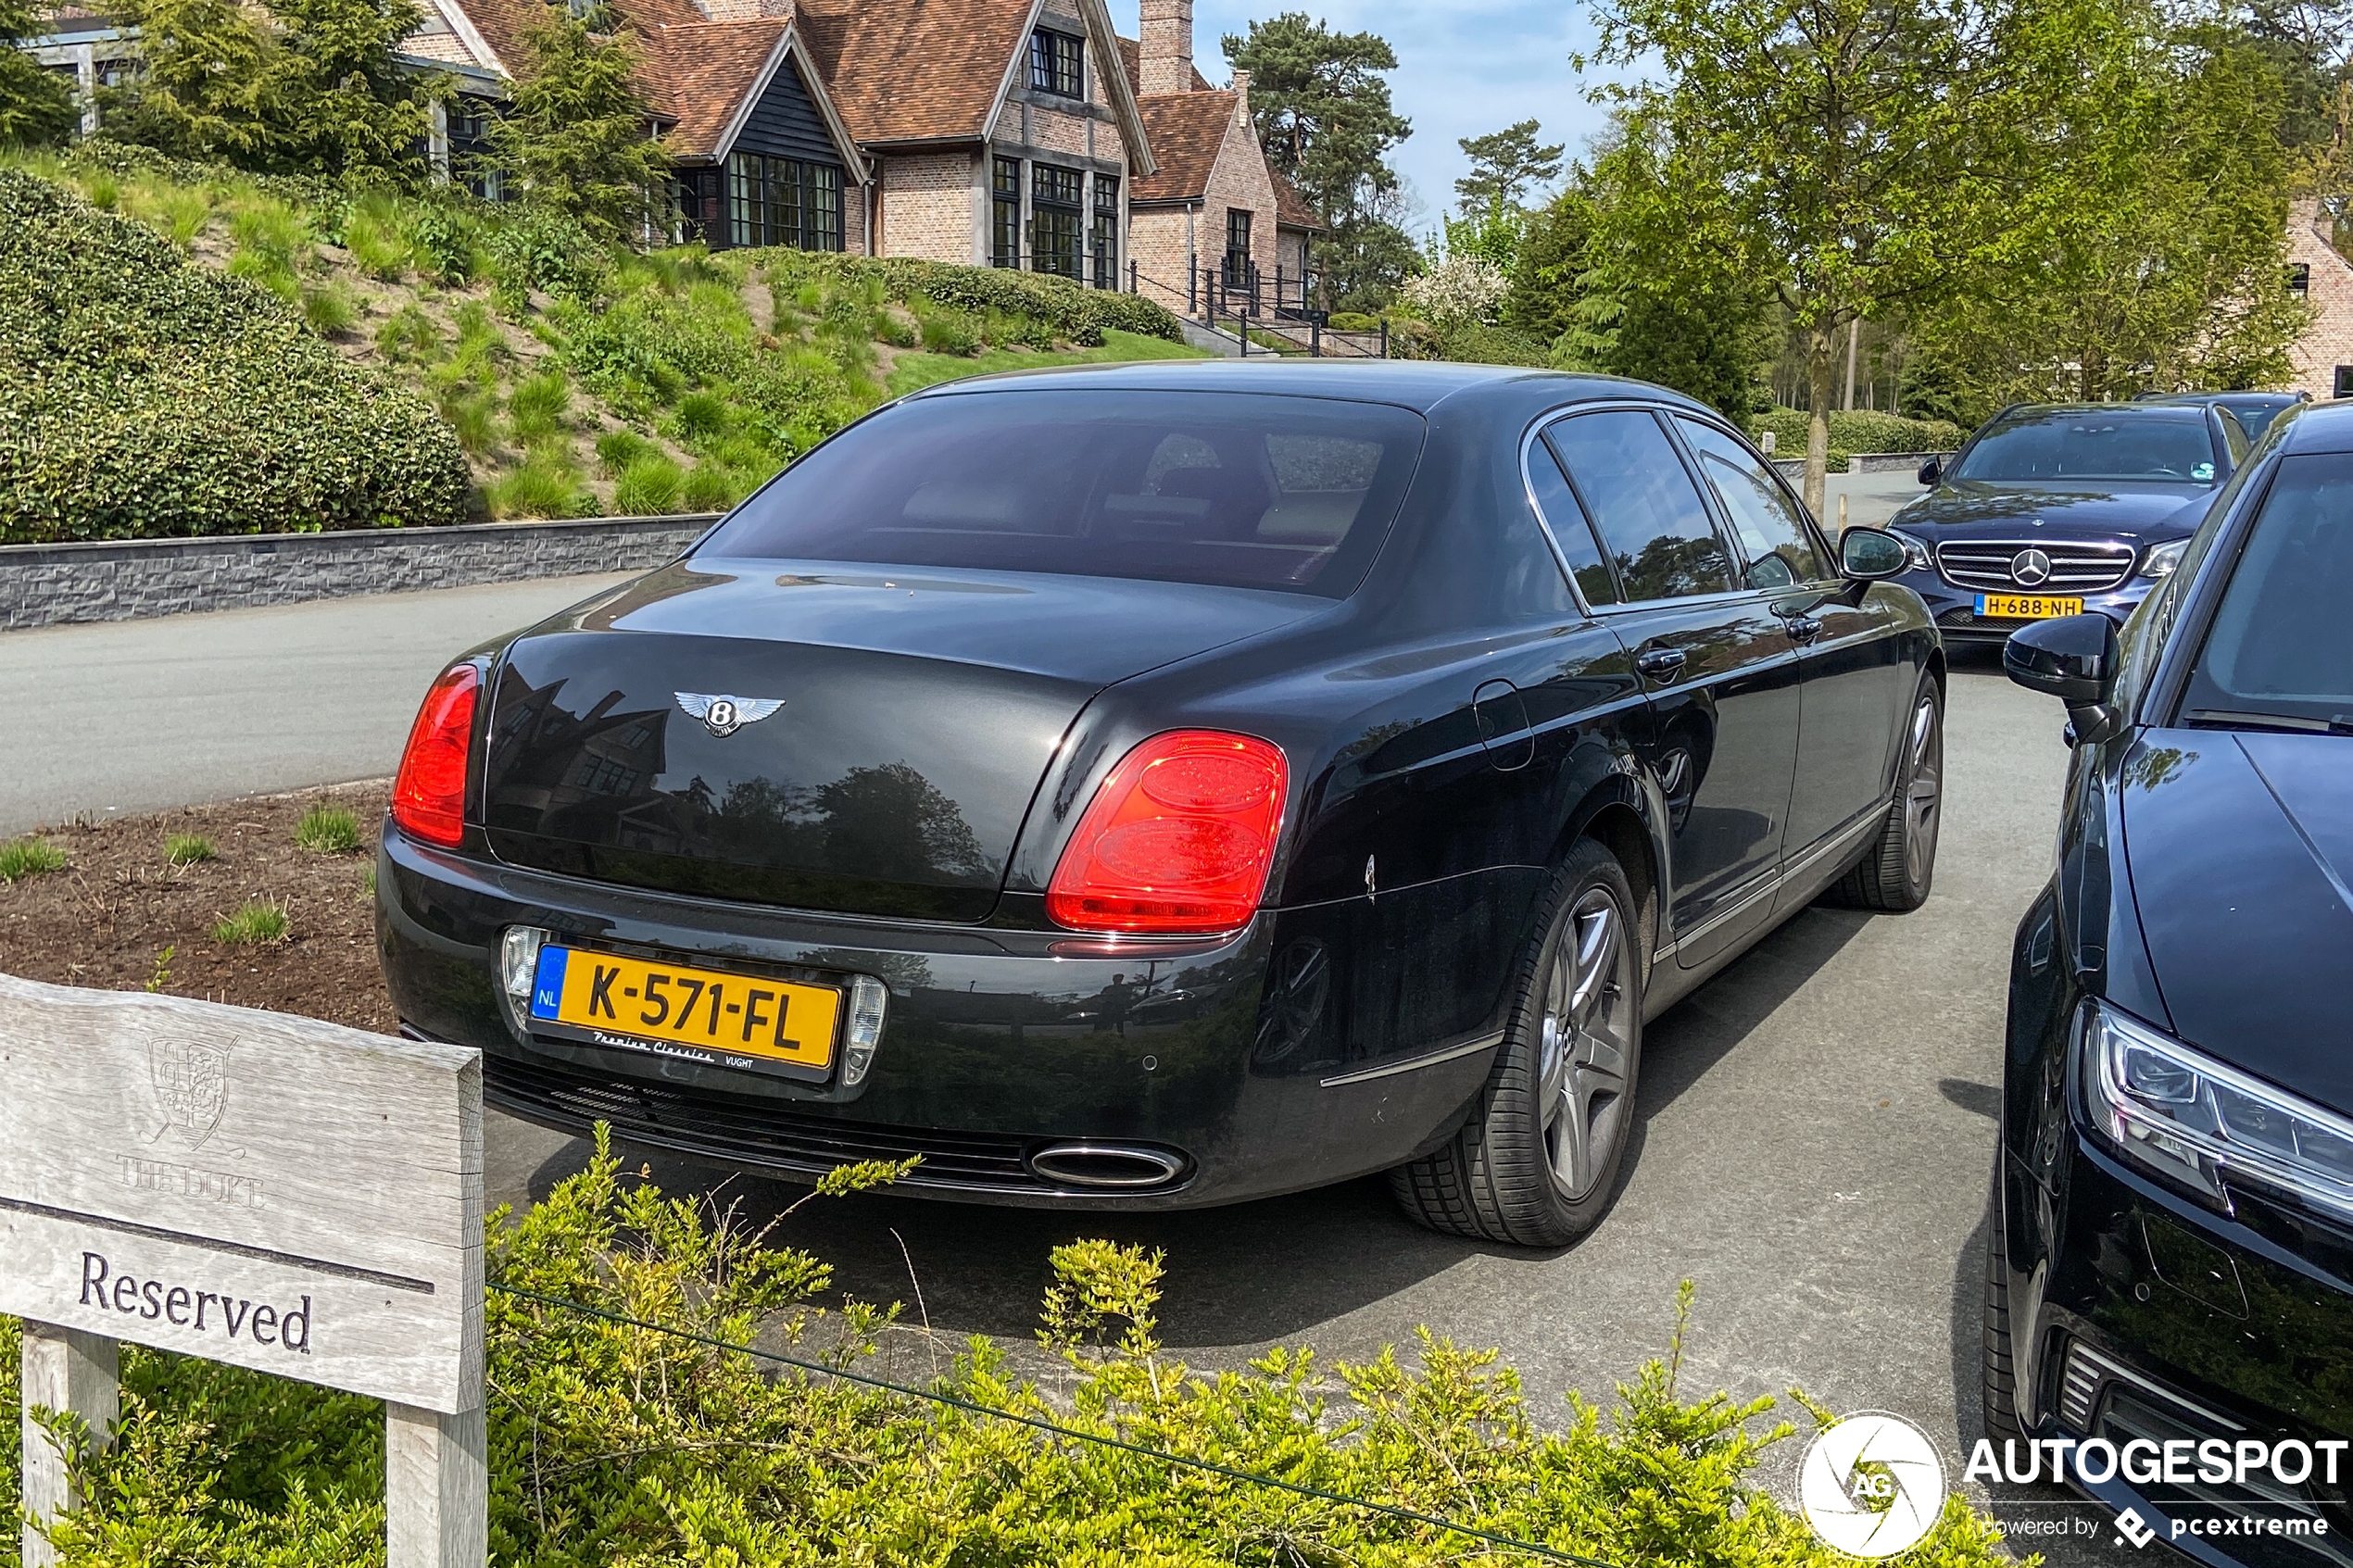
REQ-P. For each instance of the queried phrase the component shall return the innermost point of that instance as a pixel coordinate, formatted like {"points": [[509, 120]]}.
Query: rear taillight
{"points": [[1178, 839], [429, 797]]}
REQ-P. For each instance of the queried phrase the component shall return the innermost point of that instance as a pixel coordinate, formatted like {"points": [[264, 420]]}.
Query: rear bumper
{"points": [[995, 1046], [1955, 609], [2139, 1316]]}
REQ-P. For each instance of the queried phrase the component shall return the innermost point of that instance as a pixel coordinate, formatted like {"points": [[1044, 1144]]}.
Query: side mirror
{"points": [[1931, 471], [2073, 659], [1870, 554]]}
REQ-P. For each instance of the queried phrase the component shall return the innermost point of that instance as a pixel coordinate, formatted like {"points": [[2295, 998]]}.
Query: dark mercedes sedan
{"points": [[2171, 1286], [2062, 509], [1168, 785]]}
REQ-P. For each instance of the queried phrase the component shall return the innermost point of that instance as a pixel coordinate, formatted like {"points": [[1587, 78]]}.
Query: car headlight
{"points": [[1915, 555], [2158, 560], [2181, 1115]]}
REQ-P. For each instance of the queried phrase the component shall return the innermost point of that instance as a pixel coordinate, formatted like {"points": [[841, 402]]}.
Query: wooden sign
{"points": [[256, 1188]]}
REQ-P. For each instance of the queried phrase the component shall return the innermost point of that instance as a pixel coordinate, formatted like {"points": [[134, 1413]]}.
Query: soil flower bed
{"points": [[128, 893]]}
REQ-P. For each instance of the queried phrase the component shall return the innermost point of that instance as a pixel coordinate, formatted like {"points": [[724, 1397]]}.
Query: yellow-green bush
{"points": [[148, 395], [612, 1445], [1859, 430]]}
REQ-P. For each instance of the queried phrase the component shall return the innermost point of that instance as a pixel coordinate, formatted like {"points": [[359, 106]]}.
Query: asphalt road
{"points": [[140, 715]]}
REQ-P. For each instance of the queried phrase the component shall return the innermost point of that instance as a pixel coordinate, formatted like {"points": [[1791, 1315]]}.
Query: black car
{"points": [[2172, 1234], [2062, 509], [1168, 785], [2254, 410]]}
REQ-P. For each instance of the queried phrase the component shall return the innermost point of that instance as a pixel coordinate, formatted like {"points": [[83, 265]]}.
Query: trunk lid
{"points": [[916, 712]]}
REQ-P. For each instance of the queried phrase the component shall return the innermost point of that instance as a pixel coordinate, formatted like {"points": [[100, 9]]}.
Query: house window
{"points": [[1105, 237], [1055, 63], [1004, 212], [781, 201], [2344, 381], [1238, 267], [2300, 280], [1054, 216]]}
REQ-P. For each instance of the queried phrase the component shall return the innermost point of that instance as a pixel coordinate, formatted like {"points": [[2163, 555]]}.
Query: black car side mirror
{"points": [[1870, 554], [1931, 471], [2073, 659]]}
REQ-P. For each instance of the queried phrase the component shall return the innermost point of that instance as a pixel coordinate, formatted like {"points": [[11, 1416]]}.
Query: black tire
{"points": [[2001, 1376], [1537, 1163], [1897, 870]]}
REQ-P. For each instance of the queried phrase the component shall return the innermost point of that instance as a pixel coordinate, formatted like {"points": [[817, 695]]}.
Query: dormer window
{"points": [[1057, 63], [2299, 278]]}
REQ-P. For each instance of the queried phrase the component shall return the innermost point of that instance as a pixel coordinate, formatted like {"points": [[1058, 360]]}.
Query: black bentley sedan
{"points": [[2057, 510], [1168, 785], [2170, 1281]]}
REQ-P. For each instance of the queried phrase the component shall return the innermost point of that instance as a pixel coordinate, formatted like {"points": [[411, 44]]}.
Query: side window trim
{"points": [[1718, 508], [1527, 443]]}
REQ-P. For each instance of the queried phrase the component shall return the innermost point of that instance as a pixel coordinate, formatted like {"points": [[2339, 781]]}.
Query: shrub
{"points": [[149, 396], [648, 487], [616, 449], [30, 857], [187, 848], [536, 249], [1858, 431], [327, 830], [612, 1445], [256, 921], [711, 488], [951, 332], [542, 488], [702, 416], [1354, 321]]}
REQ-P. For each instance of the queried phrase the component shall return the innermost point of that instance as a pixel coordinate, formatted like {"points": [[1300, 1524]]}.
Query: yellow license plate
{"points": [[704, 1010], [2026, 607]]}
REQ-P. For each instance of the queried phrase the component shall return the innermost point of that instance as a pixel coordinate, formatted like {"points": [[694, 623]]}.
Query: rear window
{"points": [[2126, 444], [1230, 489]]}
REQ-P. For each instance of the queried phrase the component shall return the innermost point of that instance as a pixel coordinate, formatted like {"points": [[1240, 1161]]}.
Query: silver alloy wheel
{"points": [[1585, 1046], [1923, 792]]}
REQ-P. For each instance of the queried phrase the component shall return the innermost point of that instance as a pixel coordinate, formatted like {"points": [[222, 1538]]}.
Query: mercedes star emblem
{"points": [[726, 715], [2030, 569]]}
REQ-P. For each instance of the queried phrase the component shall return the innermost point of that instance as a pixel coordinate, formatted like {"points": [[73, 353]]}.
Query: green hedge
{"points": [[1078, 314], [1858, 431], [145, 396], [612, 1447]]}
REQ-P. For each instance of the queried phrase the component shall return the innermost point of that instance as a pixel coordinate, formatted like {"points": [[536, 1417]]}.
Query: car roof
{"points": [[2176, 411], [2226, 399], [1420, 386], [2320, 427]]}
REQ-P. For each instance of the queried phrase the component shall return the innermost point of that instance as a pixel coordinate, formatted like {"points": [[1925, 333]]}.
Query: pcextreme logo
{"points": [[1870, 1484]]}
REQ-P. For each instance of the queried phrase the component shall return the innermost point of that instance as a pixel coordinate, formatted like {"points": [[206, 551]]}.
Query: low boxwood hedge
{"points": [[1078, 314], [142, 395]]}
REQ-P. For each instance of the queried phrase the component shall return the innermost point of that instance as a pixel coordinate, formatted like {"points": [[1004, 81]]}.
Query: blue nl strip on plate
{"points": [[548, 987]]}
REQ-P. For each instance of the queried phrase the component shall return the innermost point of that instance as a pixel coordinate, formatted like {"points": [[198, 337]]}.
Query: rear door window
{"points": [[1565, 520], [1643, 505], [1772, 531], [1293, 494]]}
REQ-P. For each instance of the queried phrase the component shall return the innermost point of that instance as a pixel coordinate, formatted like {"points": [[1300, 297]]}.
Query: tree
{"points": [[35, 105], [575, 136], [1855, 157], [2178, 278], [310, 87], [1506, 165], [1323, 114]]}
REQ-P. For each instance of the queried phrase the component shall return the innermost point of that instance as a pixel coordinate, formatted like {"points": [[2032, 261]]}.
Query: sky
{"points": [[1465, 68]]}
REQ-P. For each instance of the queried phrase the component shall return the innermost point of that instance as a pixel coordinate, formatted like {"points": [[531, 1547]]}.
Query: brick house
{"points": [[2324, 356], [985, 131]]}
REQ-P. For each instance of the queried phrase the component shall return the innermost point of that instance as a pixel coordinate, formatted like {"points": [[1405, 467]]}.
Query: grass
{"points": [[540, 488], [330, 309], [328, 830], [914, 370], [648, 487], [537, 405], [256, 921], [616, 449], [187, 848], [30, 857], [711, 488]]}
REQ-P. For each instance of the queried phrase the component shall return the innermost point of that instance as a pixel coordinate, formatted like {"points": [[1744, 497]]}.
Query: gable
{"points": [[785, 122]]}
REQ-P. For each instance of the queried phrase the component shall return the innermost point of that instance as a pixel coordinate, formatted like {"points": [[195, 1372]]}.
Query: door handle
{"points": [[1660, 664], [1803, 628]]}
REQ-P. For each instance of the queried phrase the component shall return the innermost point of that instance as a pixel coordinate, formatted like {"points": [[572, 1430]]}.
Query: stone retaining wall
{"points": [[123, 579]]}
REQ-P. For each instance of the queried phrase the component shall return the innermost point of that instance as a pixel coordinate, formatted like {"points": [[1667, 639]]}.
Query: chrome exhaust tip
{"points": [[1104, 1167]]}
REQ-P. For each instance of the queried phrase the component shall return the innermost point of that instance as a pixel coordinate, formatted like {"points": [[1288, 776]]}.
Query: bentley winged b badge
{"points": [[726, 715]]}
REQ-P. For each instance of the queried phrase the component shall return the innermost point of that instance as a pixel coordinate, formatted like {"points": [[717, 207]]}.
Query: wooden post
{"points": [[437, 1489], [73, 1372]]}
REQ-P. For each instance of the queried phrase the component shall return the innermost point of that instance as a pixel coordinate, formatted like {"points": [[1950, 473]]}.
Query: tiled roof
{"points": [[914, 70], [1291, 208], [696, 74], [1186, 130]]}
